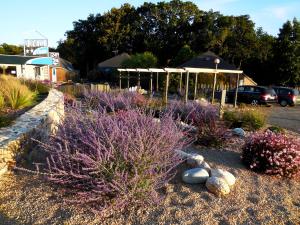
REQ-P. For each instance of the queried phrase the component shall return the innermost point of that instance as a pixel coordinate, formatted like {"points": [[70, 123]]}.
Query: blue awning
{"points": [[40, 61]]}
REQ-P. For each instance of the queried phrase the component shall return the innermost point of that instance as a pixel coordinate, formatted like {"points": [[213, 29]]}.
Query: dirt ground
{"points": [[255, 199]]}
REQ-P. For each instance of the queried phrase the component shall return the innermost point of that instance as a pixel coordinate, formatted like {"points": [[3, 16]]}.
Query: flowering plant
{"points": [[272, 153]]}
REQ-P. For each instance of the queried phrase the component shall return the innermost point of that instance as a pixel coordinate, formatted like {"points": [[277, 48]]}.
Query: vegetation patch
{"points": [[272, 153]]}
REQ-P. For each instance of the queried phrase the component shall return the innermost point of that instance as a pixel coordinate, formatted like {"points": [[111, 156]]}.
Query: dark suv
{"points": [[253, 95], [287, 96]]}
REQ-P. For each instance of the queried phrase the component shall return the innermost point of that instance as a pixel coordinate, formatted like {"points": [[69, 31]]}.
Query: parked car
{"points": [[287, 96], [254, 95]]}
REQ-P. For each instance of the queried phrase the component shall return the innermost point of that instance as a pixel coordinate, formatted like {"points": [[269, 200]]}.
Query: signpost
{"points": [[55, 57], [36, 47]]}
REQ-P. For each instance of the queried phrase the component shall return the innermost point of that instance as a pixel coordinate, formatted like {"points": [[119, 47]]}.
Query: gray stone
{"points": [[218, 186], [182, 154], [194, 159], [227, 176], [195, 176], [205, 165], [239, 132]]}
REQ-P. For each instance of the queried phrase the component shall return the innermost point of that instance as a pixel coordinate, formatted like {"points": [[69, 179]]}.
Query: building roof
{"points": [[15, 59], [206, 60], [115, 61]]}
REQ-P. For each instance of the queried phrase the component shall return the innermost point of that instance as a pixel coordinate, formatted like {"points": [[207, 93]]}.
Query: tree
{"points": [[184, 54], [287, 54], [11, 49], [141, 60]]}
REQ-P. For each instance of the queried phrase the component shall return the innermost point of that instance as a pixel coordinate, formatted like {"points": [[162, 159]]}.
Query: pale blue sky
{"points": [[20, 18]]}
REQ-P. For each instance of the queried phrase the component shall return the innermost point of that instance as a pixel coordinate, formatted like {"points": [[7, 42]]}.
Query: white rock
{"points": [[205, 166], [195, 176], [227, 176], [182, 154], [218, 186], [195, 159], [239, 132]]}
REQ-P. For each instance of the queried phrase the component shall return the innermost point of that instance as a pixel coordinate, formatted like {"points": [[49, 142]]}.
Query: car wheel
{"points": [[254, 102], [283, 103]]}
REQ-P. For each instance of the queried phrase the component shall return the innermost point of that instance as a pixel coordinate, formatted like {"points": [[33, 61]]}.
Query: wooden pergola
{"points": [[181, 71]]}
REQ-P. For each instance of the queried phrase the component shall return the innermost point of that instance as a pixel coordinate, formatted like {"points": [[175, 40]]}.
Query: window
{"points": [[241, 89], [249, 88]]}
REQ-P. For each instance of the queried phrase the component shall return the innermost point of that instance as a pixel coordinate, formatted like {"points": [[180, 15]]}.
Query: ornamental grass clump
{"points": [[113, 161], [272, 153], [16, 95]]}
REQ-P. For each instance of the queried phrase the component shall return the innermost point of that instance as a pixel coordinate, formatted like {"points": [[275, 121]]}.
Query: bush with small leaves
{"points": [[112, 161], [272, 153]]}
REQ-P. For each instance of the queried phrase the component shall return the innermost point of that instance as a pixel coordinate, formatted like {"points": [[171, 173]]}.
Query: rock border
{"points": [[41, 119]]}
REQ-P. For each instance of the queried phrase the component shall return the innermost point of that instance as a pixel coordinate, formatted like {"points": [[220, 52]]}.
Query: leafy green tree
{"points": [[183, 55], [141, 60], [287, 54], [11, 49]]}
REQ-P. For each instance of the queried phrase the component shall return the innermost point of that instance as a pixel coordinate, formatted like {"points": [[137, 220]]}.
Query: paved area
{"points": [[286, 117]]}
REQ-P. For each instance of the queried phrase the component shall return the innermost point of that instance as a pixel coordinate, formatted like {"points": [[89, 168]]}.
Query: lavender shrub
{"points": [[114, 161], [211, 131], [272, 153], [113, 101]]}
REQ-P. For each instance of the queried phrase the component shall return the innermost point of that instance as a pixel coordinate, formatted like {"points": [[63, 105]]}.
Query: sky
{"points": [[20, 19]]}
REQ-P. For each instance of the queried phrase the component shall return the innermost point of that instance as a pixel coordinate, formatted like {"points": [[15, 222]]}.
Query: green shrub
{"points": [[276, 129], [5, 120], [16, 95], [246, 118], [36, 86]]}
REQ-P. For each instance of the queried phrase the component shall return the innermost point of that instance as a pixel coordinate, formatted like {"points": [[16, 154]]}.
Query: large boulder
{"points": [[182, 154], [218, 186], [195, 176], [227, 176], [239, 132]]}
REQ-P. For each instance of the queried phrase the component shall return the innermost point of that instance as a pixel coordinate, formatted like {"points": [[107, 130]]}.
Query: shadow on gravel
{"points": [[4, 220]]}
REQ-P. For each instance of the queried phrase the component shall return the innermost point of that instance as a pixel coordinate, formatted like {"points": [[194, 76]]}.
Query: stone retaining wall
{"points": [[41, 120]]}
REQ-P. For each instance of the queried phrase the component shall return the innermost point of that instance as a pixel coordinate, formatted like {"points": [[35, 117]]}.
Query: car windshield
{"points": [[270, 91]]}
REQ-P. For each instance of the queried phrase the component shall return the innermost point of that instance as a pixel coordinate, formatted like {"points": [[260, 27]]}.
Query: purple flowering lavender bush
{"points": [[113, 101], [211, 131], [272, 153], [115, 160]]}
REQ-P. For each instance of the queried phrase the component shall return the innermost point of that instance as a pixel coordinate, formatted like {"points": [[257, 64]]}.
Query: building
{"points": [[226, 81], [113, 63], [37, 68]]}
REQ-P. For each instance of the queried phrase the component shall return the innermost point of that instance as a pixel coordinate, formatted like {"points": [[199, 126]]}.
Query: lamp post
{"points": [[216, 61]]}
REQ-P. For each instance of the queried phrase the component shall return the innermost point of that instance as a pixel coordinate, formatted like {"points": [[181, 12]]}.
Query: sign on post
{"points": [[36, 47], [55, 57]]}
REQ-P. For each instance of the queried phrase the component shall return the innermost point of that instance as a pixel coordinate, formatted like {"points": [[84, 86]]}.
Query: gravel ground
{"points": [[255, 199]]}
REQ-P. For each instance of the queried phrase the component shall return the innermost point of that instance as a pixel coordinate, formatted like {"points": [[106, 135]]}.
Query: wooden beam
{"points": [[120, 80], [186, 87], [151, 84], [180, 83], [166, 88], [128, 81], [196, 86], [236, 90]]}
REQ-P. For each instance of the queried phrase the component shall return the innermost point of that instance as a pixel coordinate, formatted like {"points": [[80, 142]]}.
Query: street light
{"points": [[216, 61]]}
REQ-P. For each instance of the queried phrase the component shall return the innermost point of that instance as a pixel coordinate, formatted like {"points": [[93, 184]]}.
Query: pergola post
{"points": [[120, 80], [166, 88], [214, 88], [236, 90], [139, 79], [128, 82], [157, 81], [187, 87], [180, 83], [151, 84], [196, 86]]}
